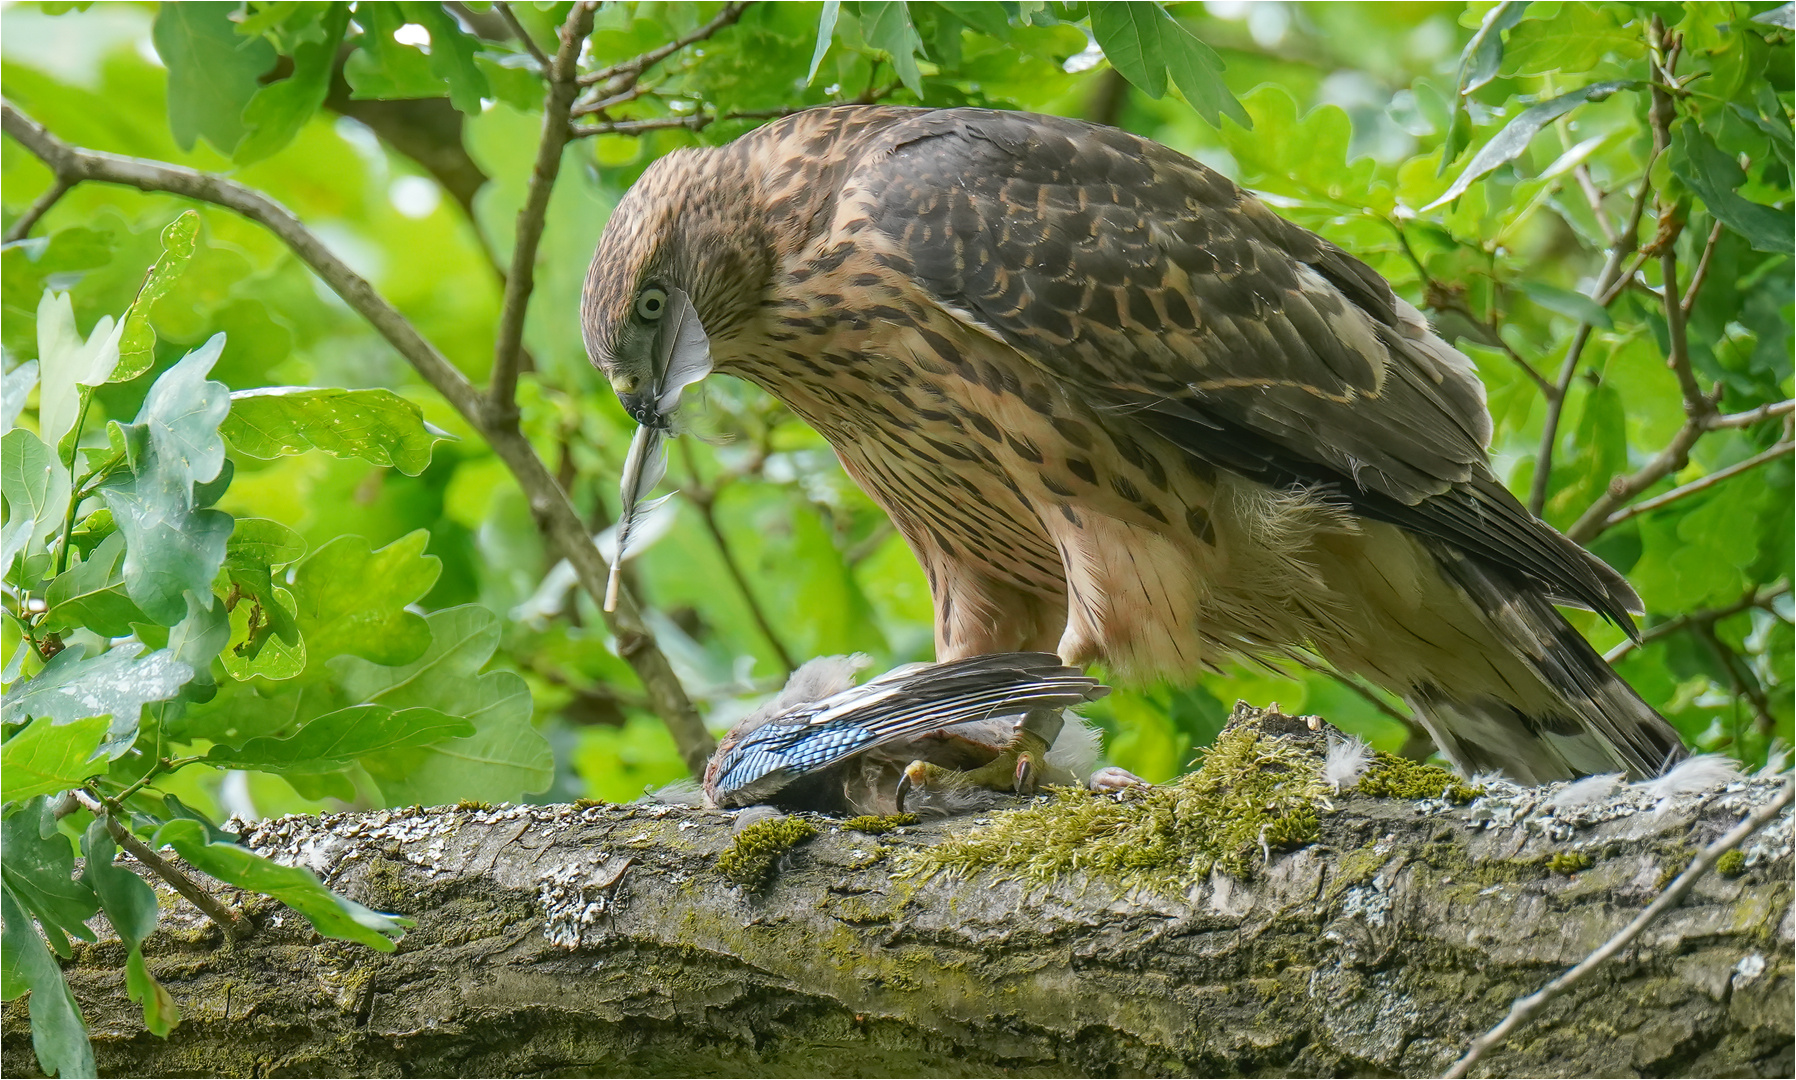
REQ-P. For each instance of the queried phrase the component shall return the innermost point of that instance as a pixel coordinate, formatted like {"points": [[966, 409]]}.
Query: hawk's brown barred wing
{"points": [[1162, 289]]}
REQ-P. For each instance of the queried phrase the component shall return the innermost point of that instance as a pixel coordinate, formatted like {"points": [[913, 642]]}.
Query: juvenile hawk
{"points": [[1123, 412]]}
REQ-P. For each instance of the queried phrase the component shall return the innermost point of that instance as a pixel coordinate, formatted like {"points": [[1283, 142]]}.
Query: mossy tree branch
{"points": [[608, 938]]}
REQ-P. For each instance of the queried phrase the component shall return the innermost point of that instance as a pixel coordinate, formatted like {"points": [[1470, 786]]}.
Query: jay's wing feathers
{"points": [[1158, 287], [903, 703]]}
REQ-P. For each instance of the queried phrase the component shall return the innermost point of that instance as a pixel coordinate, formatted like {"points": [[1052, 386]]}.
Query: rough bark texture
{"points": [[603, 941]]}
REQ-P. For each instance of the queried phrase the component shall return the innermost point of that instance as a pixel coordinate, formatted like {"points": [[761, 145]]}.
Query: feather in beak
{"points": [[683, 357]]}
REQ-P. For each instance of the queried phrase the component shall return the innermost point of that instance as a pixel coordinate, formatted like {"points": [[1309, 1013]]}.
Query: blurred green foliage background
{"points": [[1357, 129]]}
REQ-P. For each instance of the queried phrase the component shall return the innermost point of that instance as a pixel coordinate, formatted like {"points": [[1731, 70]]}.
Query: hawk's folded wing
{"points": [[1147, 283]]}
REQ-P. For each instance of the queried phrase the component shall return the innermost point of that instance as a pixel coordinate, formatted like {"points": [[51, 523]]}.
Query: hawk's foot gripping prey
{"points": [[1123, 411], [934, 738]]}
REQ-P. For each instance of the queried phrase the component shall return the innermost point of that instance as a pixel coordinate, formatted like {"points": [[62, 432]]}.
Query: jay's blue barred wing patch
{"points": [[904, 703]]}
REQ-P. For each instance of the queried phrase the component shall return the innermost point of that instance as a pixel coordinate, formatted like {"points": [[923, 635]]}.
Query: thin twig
{"points": [[1699, 407], [636, 66], [1525, 1008], [501, 397], [1744, 684], [1757, 597], [517, 30], [21, 228], [1751, 416], [704, 500], [227, 918], [694, 122], [1695, 486], [1625, 243], [549, 504], [1701, 273], [1595, 198]]}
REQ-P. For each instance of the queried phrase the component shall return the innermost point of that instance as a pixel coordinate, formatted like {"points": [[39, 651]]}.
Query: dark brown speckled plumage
{"points": [[1123, 411]]}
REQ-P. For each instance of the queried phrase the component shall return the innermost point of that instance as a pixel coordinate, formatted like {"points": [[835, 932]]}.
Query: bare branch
{"points": [[1695, 486], [1702, 270], [502, 388], [1744, 684], [524, 38], [228, 919], [633, 68], [1752, 416], [549, 504], [1757, 597], [1525, 1008], [21, 228], [1595, 198], [704, 500], [1605, 291], [694, 122]]}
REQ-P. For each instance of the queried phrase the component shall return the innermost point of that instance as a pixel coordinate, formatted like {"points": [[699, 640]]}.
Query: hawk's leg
{"points": [[1018, 767]]}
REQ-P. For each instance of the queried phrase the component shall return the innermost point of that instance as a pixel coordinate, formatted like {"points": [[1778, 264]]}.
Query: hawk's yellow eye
{"points": [[651, 305]]}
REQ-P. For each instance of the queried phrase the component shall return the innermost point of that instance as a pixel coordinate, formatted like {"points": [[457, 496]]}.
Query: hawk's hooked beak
{"points": [[641, 408]]}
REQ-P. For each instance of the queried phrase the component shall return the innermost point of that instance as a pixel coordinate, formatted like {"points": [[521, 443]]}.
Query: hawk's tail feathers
{"points": [[1598, 724]]}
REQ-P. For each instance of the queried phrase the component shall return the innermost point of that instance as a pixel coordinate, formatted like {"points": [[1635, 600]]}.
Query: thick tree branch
{"points": [[556, 940], [521, 281], [1527, 1007], [548, 502]]}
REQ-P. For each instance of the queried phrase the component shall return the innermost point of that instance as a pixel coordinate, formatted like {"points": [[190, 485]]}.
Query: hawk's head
{"points": [[684, 245]]}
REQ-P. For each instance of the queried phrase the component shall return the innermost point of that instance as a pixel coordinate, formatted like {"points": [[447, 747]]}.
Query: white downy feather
{"points": [[1702, 772], [1346, 762], [1583, 792]]}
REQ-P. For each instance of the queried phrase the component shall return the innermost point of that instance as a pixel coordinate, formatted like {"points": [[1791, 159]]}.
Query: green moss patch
{"points": [[1390, 776], [1570, 862], [1731, 863], [1253, 793], [750, 860], [874, 824]]}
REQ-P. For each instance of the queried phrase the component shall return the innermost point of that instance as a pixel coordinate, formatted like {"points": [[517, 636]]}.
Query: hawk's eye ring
{"points": [[651, 304]]}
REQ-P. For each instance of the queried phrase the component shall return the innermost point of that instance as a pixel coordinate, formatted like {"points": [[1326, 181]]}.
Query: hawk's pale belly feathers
{"points": [[1122, 411]]}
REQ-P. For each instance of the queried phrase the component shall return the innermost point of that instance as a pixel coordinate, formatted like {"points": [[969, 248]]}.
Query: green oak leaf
{"points": [[504, 757], [171, 544], [384, 69], [35, 487], [337, 738], [117, 683], [48, 757], [69, 368], [39, 873], [58, 1033], [352, 600], [331, 915], [451, 55], [377, 426], [92, 594], [137, 345], [212, 72], [1715, 177], [279, 110], [886, 25], [1130, 35]]}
